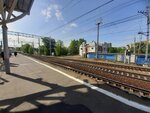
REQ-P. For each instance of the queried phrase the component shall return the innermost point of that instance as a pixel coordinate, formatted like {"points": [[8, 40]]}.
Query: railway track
{"points": [[131, 84], [121, 66], [117, 71]]}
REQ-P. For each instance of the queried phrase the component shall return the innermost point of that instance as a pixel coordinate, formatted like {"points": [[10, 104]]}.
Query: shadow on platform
{"points": [[58, 107]]}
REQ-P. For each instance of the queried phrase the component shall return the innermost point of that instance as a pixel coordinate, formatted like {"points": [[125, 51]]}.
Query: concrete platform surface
{"points": [[34, 88]]}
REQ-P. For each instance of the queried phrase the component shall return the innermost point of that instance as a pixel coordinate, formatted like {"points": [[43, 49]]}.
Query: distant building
{"points": [[145, 41], [91, 48], [82, 49], [105, 47]]}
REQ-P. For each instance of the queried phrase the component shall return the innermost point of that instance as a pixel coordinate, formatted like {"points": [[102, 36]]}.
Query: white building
{"points": [[82, 49], [91, 48]]}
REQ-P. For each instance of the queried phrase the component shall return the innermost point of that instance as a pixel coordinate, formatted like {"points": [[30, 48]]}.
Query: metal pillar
{"points": [[97, 39], [148, 22], [6, 50]]}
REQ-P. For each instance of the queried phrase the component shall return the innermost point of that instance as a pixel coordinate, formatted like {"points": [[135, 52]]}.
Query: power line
{"points": [[76, 3], [59, 27], [68, 3], [120, 21], [94, 28], [123, 5]]}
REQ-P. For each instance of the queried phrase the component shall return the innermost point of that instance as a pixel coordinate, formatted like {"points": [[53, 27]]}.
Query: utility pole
{"points": [[98, 24], [134, 44], [147, 14]]}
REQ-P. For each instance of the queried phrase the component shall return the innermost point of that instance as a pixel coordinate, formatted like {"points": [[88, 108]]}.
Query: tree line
{"points": [[50, 46], [58, 48]]}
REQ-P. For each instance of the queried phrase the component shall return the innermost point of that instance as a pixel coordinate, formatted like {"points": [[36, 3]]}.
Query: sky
{"points": [[52, 18]]}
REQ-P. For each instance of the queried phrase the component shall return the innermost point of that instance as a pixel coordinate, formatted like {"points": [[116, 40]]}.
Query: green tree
{"points": [[25, 48], [18, 49], [41, 48], [47, 43], [140, 48], [116, 50], [31, 51], [58, 48], [80, 41], [120, 50], [64, 51], [74, 46], [112, 50]]}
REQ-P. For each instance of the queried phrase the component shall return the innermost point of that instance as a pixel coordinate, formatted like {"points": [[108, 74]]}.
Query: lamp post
{"points": [[7, 8]]}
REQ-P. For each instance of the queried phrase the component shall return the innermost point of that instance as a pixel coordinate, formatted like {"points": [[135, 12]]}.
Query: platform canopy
{"points": [[21, 6], [9, 7], [10, 11]]}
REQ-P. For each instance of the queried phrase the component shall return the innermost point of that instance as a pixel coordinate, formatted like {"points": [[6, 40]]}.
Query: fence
{"points": [[137, 59]]}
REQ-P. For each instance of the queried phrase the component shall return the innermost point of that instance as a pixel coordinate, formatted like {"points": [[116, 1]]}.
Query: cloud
{"points": [[73, 25], [46, 13], [52, 10], [58, 15]]}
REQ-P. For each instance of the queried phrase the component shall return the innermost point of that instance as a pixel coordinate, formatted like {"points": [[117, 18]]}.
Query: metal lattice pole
{"points": [[148, 22]]}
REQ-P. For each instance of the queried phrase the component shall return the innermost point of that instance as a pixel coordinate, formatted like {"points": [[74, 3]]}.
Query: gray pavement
{"points": [[33, 88]]}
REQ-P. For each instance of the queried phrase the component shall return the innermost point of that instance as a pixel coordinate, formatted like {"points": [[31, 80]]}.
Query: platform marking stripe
{"points": [[105, 92]]}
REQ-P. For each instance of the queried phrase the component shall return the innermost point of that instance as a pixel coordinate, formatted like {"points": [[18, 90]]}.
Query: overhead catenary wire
{"points": [[117, 8], [93, 30], [109, 11], [123, 5], [84, 14], [120, 21], [67, 4], [76, 3]]}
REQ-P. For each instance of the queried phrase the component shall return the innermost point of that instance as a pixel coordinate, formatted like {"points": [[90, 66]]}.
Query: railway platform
{"points": [[36, 87]]}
